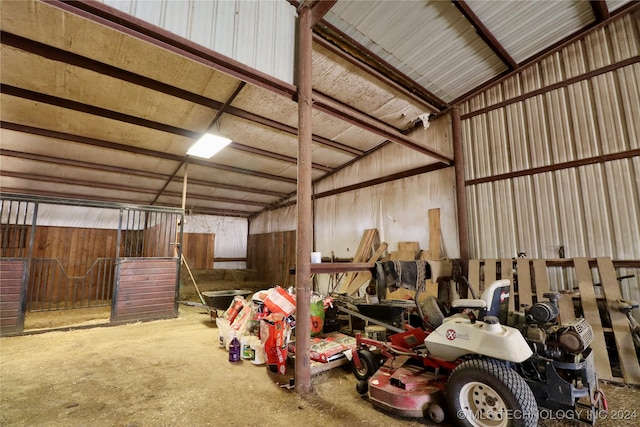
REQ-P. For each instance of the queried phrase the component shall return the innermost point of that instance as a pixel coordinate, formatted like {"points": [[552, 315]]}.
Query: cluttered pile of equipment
{"points": [[470, 358], [422, 344]]}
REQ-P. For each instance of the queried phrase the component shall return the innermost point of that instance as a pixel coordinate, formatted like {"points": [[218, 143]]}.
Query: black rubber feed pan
{"points": [[221, 300]]}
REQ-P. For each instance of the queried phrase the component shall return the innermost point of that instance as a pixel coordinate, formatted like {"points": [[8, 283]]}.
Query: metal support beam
{"points": [[486, 35], [125, 171], [600, 10], [305, 219], [461, 198], [332, 107], [56, 54]]}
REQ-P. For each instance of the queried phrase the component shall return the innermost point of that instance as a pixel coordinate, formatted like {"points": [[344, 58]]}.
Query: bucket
{"points": [[375, 332], [258, 353]]}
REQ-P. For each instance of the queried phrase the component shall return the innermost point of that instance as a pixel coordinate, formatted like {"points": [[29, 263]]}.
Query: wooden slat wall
{"points": [[11, 273], [532, 281], [76, 248], [159, 240], [484, 272], [273, 254], [197, 249], [146, 289]]}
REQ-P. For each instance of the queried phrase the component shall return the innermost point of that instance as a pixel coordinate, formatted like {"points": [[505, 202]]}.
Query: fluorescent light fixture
{"points": [[208, 145]]}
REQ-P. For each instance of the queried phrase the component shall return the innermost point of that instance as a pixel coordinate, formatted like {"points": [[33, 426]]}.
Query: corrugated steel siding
{"points": [[591, 210], [260, 34], [424, 54], [529, 27]]}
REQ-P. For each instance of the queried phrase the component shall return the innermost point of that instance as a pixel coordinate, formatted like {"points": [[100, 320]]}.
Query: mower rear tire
{"points": [[368, 365], [487, 393]]}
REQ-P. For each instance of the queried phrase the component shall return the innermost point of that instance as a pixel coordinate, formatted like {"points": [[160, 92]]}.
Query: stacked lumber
{"points": [[407, 251], [530, 281], [369, 250]]}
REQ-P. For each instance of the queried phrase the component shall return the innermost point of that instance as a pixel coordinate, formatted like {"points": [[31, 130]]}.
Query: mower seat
{"points": [[494, 301]]}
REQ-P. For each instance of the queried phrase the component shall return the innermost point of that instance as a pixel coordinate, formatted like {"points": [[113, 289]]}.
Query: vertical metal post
{"points": [[304, 226], [24, 291], [184, 185], [461, 198]]}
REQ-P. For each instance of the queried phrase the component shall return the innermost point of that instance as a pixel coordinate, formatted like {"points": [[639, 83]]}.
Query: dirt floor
{"points": [[173, 373]]}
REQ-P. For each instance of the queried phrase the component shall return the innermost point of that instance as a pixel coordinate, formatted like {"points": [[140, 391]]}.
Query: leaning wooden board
{"points": [[626, 351], [524, 282], [592, 315]]}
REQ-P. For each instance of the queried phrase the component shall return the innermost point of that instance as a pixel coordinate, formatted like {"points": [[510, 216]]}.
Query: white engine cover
{"points": [[457, 336]]}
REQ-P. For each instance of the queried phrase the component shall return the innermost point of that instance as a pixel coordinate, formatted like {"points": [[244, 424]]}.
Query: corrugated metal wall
{"points": [[572, 153], [260, 34], [397, 209]]}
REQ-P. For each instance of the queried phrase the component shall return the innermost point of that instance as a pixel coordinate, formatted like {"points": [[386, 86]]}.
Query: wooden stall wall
{"points": [[273, 254], [75, 248], [160, 240], [61, 254], [146, 289], [198, 250]]}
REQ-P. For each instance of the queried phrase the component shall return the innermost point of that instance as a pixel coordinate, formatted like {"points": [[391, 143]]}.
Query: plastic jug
{"points": [[234, 350]]}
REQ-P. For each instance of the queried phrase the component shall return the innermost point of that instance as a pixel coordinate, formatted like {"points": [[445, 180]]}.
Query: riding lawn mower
{"points": [[486, 366]]}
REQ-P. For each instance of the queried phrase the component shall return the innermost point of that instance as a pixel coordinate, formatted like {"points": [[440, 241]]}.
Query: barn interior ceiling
{"points": [[98, 105]]}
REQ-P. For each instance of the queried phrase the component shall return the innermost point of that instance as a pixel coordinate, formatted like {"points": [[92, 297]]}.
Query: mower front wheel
{"points": [[362, 387], [487, 393], [368, 365]]}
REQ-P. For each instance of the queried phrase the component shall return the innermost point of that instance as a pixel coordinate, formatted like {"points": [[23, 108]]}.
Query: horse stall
{"points": [[77, 263]]}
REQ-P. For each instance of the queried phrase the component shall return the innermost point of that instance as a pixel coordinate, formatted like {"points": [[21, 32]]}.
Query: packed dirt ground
{"points": [[173, 373]]}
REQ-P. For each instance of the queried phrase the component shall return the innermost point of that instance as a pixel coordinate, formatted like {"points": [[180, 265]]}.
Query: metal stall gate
{"points": [[70, 254], [147, 270]]}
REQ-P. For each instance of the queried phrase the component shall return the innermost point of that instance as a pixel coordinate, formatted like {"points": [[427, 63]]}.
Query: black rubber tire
{"points": [[487, 393], [362, 387], [435, 413], [369, 365], [431, 309]]}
